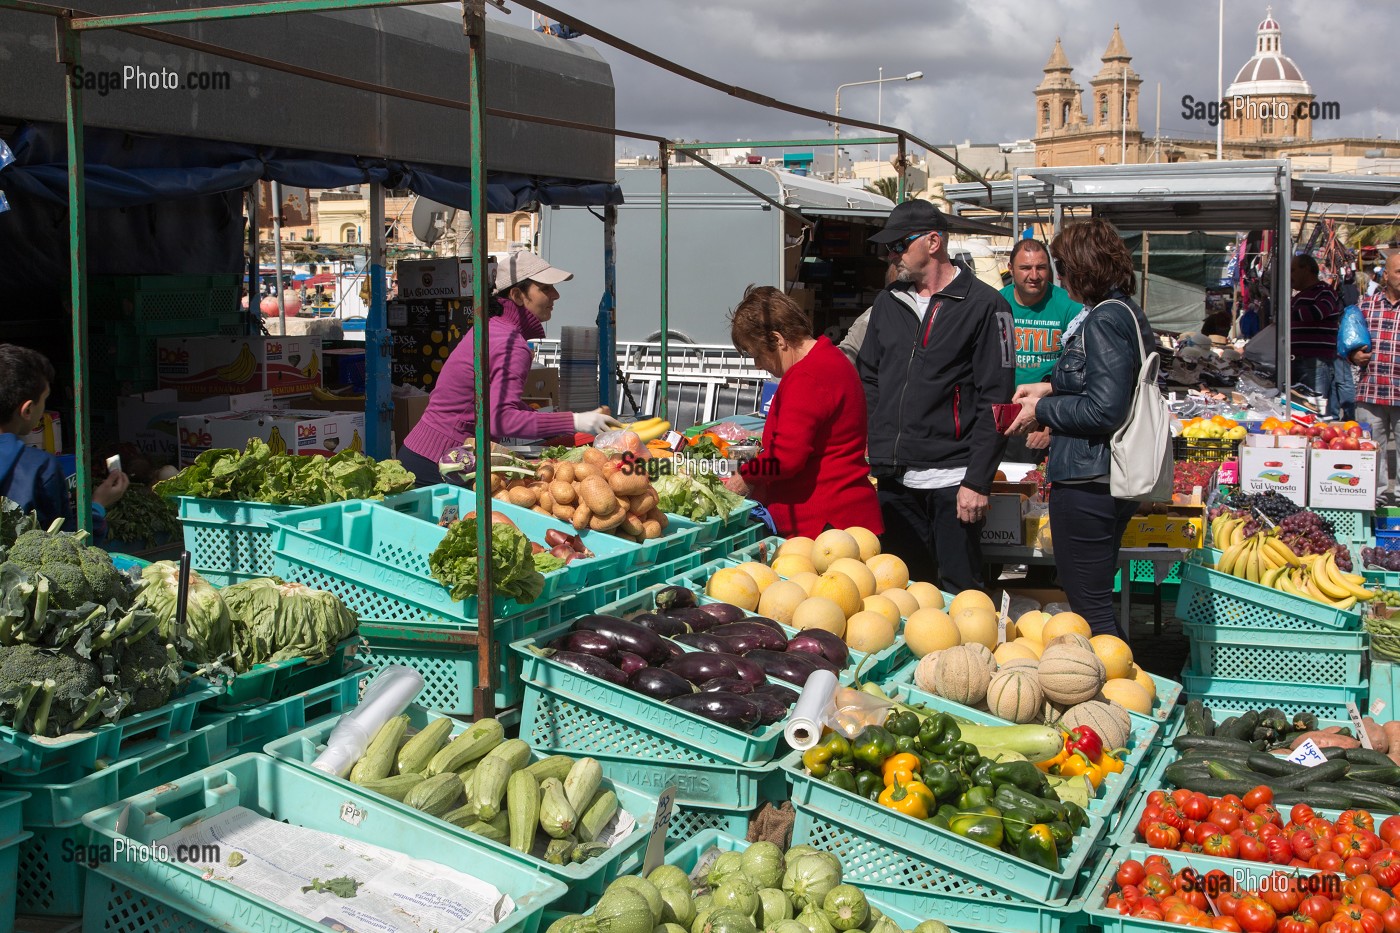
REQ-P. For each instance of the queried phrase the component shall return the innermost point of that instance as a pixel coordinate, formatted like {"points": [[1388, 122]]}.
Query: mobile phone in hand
{"points": [[114, 463]]}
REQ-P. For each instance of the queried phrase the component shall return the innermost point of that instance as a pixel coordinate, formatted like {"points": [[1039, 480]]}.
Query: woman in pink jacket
{"points": [[525, 286]]}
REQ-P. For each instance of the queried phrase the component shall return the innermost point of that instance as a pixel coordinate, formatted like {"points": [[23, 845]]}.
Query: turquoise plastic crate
{"points": [[125, 563], [68, 758], [1317, 657], [376, 560], [277, 680], [12, 812], [1114, 790], [881, 848], [1390, 579], [745, 545], [251, 728], [763, 551], [9, 879], [711, 529], [229, 541], [1235, 696], [50, 882], [1209, 597], [698, 784], [1383, 698], [1174, 725], [567, 709], [1351, 526], [280, 790], [585, 882], [615, 557], [447, 657], [594, 598]]}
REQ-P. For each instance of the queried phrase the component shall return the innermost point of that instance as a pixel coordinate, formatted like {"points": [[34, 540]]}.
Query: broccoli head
{"points": [[103, 578], [68, 587], [148, 672], [48, 692], [28, 549]]}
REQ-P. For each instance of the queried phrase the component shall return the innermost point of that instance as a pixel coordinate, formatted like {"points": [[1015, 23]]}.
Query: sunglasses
{"points": [[897, 248]]}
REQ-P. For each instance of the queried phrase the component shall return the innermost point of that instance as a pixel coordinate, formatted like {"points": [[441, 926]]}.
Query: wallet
{"points": [[1005, 415]]}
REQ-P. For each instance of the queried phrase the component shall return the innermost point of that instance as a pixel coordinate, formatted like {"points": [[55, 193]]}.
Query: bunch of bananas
{"points": [[1265, 559], [275, 442], [243, 368], [649, 430], [1226, 532]]}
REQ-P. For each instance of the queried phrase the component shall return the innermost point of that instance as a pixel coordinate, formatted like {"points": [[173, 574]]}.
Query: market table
{"points": [[1162, 560]]}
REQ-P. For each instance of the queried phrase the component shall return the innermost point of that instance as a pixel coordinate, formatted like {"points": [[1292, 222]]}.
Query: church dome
{"points": [[1269, 72]]}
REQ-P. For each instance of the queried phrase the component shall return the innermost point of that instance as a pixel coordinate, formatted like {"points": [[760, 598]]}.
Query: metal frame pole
{"points": [[902, 168], [254, 266], [663, 403], [70, 54], [277, 257], [607, 309], [379, 402]]}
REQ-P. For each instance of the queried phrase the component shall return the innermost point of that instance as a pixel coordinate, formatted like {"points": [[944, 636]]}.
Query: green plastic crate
{"points": [[1234, 696], [229, 541], [712, 529], [763, 550], [9, 879], [282, 791], [277, 680], [594, 598], [144, 300], [1316, 657], [743, 541], [1351, 526], [585, 882], [251, 728], [699, 785], [1209, 597]]}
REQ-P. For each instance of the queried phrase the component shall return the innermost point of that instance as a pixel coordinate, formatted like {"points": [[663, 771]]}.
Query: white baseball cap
{"points": [[524, 266]]}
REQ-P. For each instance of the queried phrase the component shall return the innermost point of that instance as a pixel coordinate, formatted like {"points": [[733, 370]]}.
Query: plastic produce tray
{"points": [[763, 550], [1209, 597], [741, 540], [251, 728], [9, 878], [1235, 696], [376, 560], [277, 680], [585, 882], [719, 786], [1317, 657], [282, 791], [595, 597], [567, 709], [1351, 526], [229, 540], [717, 526]]}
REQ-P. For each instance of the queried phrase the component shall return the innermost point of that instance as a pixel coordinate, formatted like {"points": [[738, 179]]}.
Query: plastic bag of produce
{"points": [[275, 621]]}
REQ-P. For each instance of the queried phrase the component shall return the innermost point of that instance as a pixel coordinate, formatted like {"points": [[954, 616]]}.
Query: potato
{"points": [[563, 472], [522, 496], [632, 524], [599, 523], [647, 500], [545, 472], [546, 501], [594, 456], [598, 496], [565, 513], [582, 516], [651, 529], [562, 492], [583, 471], [628, 483]]}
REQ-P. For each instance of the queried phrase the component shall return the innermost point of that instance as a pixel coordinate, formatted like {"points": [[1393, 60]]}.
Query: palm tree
{"points": [[885, 187], [1374, 236]]}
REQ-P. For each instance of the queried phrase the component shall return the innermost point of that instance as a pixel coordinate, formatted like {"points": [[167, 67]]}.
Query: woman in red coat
{"points": [[812, 473]]}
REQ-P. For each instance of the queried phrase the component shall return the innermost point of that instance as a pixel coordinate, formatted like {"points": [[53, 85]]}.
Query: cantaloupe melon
{"points": [[800, 546], [1115, 654], [869, 632], [930, 630], [806, 580], [1072, 638], [1036, 648], [1065, 623], [983, 652], [1015, 695], [890, 572], [832, 545], [924, 670], [902, 598], [866, 540], [732, 585], [1128, 694], [819, 612], [1109, 721], [1032, 624], [1009, 651], [762, 574], [961, 676], [859, 573], [1070, 675], [1009, 664], [970, 599], [781, 600], [928, 595], [1144, 680], [790, 565], [838, 588], [977, 624], [884, 606]]}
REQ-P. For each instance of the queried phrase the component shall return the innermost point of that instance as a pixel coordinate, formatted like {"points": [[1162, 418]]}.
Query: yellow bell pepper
{"points": [[1078, 764], [903, 767], [912, 798]]}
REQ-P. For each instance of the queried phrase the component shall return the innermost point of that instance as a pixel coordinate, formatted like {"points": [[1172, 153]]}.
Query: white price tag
{"points": [[1308, 754], [702, 867], [676, 440], [656, 844], [1005, 617], [1357, 724], [449, 515], [351, 814]]}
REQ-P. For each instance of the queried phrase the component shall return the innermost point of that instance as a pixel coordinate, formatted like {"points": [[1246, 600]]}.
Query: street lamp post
{"points": [[836, 149]]}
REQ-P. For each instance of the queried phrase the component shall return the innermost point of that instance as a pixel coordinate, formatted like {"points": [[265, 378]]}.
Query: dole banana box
{"points": [[285, 431], [202, 367]]}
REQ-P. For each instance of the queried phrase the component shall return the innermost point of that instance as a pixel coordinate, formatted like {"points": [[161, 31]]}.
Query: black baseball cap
{"points": [[910, 218]]}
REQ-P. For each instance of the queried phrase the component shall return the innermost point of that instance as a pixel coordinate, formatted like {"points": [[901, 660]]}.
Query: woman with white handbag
{"points": [[1109, 446]]}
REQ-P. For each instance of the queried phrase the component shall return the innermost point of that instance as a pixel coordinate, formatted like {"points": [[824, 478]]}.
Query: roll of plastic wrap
{"points": [[804, 725], [387, 696]]}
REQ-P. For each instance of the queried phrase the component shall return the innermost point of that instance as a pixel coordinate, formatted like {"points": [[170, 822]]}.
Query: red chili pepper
{"points": [[1082, 739]]}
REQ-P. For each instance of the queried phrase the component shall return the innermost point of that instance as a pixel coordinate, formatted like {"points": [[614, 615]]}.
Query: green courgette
{"points": [[1239, 727], [1273, 765], [1217, 743], [1357, 796], [1318, 774], [1217, 788], [1367, 756], [1223, 770], [1198, 719], [1388, 791], [1389, 774], [1179, 773]]}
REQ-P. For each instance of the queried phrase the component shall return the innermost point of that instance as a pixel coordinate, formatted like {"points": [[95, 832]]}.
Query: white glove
{"points": [[593, 422]]}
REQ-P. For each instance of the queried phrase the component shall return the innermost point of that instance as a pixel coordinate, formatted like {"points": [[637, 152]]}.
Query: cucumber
{"points": [[1239, 727], [1218, 788], [1198, 719], [1358, 797], [1320, 797], [1368, 756], [1180, 773], [1216, 743], [1389, 791], [1389, 774], [1273, 765], [1223, 770], [1318, 774]]}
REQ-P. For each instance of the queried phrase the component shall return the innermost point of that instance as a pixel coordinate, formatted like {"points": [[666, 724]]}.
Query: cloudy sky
{"points": [[980, 60]]}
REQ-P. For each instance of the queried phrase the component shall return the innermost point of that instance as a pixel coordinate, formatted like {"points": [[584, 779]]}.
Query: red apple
{"points": [[1366, 445], [1349, 443]]}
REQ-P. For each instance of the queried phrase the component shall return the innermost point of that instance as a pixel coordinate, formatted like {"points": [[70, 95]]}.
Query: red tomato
{"points": [[1196, 807], [1147, 911], [1352, 820], [1156, 886], [1172, 815], [1390, 918], [1375, 899], [1226, 819], [1317, 907], [1269, 812], [1227, 903], [1130, 872], [1228, 924], [1297, 923], [1385, 866], [1162, 836], [1282, 894], [1356, 843], [1301, 813], [1255, 915], [1230, 801], [1303, 843], [1355, 866], [1156, 797], [1279, 851], [1180, 796], [1327, 861], [1390, 831], [1221, 846], [1157, 865], [1217, 880], [1258, 796]]}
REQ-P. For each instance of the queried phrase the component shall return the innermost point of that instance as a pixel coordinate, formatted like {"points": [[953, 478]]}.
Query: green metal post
{"points": [[902, 168], [70, 54], [379, 403], [663, 404], [474, 15]]}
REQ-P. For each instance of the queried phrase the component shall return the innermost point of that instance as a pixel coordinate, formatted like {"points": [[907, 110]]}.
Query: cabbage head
{"points": [[276, 621], [207, 626]]}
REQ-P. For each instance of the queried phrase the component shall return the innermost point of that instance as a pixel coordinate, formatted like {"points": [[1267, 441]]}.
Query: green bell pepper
{"points": [[1008, 797], [1037, 846], [869, 784], [965, 754], [903, 722], [908, 743], [944, 815], [829, 753], [1063, 836], [975, 797], [1076, 817], [872, 747], [842, 778], [942, 780], [937, 733], [982, 824], [1021, 774], [980, 774]]}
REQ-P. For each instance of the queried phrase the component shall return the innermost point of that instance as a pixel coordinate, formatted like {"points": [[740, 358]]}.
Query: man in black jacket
{"points": [[939, 351]]}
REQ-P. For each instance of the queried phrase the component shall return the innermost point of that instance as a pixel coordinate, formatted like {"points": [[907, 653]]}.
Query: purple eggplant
{"points": [[746, 636], [727, 709], [786, 695], [659, 684], [673, 650], [700, 666], [727, 685], [764, 620], [821, 642], [674, 597], [703, 641], [792, 666], [590, 643], [697, 620], [770, 708], [626, 636], [589, 664], [629, 663], [722, 613], [666, 626], [748, 670]]}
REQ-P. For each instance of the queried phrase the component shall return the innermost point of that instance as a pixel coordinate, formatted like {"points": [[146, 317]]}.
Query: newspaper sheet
{"points": [[398, 892]]}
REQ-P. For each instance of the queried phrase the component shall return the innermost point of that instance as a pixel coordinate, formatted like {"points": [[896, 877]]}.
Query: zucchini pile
{"points": [[1350, 778], [555, 809]]}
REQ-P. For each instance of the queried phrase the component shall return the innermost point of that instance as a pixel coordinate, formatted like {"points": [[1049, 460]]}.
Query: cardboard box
{"points": [[286, 431], [437, 278], [420, 353], [203, 367], [48, 436], [407, 410], [434, 312], [1283, 470], [1180, 526], [1006, 520], [1342, 479], [151, 420], [543, 383]]}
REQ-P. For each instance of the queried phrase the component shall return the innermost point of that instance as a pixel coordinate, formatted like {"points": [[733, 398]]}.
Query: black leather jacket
{"points": [[1093, 388]]}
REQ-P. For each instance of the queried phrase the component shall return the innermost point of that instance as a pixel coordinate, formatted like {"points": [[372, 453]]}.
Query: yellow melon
{"points": [[838, 588], [781, 600], [865, 539], [869, 632], [732, 585], [806, 580], [790, 565], [884, 606], [1032, 624], [977, 625], [970, 599], [1128, 694], [762, 574], [859, 573], [902, 598], [1115, 654], [1064, 623], [832, 545], [890, 572], [800, 546], [1144, 680], [1035, 647], [930, 630], [928, 595], [1013, 650], [820, 612]]}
